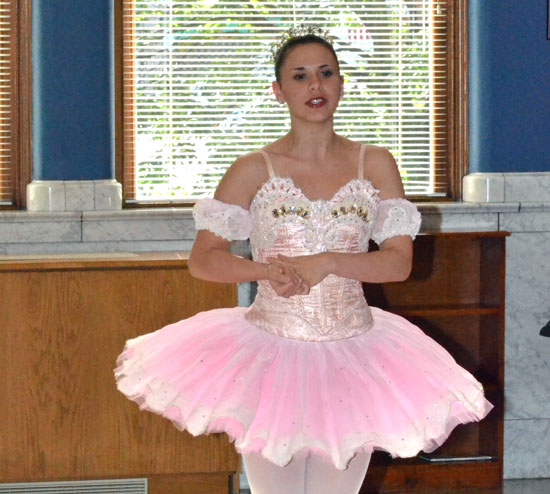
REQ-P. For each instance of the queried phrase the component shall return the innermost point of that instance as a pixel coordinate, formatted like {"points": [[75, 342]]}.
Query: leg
{"points": [[324, 478], [265, 477]]}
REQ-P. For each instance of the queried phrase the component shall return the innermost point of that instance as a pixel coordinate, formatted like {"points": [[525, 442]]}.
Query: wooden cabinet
{"points": [[63, 321], [456, 295]]}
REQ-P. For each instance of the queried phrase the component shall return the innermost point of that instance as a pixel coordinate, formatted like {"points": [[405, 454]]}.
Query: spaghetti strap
{"points": [[361, 164], [268, 163]]}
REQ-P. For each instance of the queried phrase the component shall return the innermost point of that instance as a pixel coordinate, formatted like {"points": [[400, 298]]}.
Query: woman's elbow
{"points": [[405, 268], [203, 262], [404, 273], [402, 268], [191, 266], [399, 257], [195, 266]]}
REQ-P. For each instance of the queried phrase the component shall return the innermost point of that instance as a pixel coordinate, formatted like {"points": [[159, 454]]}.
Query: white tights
{"points": [[305, 474]]}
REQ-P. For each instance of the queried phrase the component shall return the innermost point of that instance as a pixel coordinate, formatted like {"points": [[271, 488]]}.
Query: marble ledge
{"points": [[460, 222], [41, 248], [38, 217], [458, 207], [176, 224], [526, 221], [182, 213], [526, 207], [186, 212], [138, 225], [137, 229], [26, 232], [463, 216]]}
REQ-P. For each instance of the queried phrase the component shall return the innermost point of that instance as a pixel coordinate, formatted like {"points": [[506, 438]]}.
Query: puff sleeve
{"points": [[228, 221], [395, 217]]}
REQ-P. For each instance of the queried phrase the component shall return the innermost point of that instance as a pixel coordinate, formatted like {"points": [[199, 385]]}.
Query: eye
{"points": [[327, 73], [299, 77]]}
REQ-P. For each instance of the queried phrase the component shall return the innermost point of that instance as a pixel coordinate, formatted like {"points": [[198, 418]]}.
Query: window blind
{"points": [[197, 87], [6, 165]]}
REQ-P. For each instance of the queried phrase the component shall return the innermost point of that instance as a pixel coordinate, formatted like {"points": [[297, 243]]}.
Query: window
{"points": [[15, 102], [195, 90]]}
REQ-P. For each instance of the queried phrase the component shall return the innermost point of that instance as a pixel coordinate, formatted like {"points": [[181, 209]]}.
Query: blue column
{"points": [[480, 85], [509, 86], [73, 90]]}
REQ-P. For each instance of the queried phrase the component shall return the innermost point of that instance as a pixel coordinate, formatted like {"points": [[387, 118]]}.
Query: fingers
{"points": [[276, 273], [284, 279], [284, 290], [294, 286], [297, 286], [281, 269], [285, 259]]}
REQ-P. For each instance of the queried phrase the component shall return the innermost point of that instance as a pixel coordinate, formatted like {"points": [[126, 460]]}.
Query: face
{"points": [[310, 83]]}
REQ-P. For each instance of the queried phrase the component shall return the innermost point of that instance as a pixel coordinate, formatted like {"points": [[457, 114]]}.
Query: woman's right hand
{"points": [[284, 280]]}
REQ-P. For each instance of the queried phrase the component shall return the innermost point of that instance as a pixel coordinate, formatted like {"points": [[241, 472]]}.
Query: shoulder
{"points": [[381, 169], [242, 180]]}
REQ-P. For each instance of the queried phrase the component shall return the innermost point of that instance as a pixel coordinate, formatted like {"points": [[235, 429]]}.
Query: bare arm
{"points": [[211, 260], [210, 257], [392, 262]]}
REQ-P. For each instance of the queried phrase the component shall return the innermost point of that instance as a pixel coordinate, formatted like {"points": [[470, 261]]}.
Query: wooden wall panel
{"points": [[189, 484], [62, 326]]}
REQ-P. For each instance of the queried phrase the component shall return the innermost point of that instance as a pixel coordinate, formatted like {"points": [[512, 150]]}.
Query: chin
{"points": [[319, 117]]}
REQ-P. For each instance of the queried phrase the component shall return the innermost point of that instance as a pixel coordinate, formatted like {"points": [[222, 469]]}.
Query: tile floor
{"points": [[525, 486]]}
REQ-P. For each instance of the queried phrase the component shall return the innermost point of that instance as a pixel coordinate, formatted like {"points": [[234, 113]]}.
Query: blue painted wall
{"points": [[73, 96], [509, 86]]}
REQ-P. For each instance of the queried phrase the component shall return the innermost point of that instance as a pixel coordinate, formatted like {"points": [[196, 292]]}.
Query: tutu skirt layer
{"points": [[391, 388]]}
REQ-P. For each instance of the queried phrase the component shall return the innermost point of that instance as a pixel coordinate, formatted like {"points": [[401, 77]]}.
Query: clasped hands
{"points": [[290, 276]]}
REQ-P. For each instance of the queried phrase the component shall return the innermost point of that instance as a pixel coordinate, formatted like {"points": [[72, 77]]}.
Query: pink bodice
{"points": [[282, 220], [285, 221]]}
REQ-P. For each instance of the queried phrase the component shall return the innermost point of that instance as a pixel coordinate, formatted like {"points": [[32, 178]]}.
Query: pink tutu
{"points": [[391, 388]]}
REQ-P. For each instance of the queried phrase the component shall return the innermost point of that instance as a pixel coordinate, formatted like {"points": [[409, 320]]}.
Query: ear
{"points": [[278, 92]]}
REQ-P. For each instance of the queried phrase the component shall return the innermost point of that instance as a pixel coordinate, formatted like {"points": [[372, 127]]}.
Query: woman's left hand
{"points": [[312, 268]]}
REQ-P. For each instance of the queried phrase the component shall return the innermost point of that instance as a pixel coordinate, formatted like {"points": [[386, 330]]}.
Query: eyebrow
{"points": [[320, 67]]}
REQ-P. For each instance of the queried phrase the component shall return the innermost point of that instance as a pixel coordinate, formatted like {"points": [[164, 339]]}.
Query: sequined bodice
{"points": [[285, 221]]}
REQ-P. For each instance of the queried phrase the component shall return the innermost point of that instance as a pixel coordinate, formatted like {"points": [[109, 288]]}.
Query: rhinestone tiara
{"points": [[296, 32]]}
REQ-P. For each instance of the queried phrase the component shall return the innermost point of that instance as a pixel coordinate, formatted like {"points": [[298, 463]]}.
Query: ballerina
{"points": [[309, 379]]}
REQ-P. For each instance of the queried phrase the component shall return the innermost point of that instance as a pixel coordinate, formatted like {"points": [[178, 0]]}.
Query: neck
{"points": [[313, 140]]}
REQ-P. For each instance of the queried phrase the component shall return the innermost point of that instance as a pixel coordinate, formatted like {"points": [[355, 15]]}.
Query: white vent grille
{"points": [[122, 486]]}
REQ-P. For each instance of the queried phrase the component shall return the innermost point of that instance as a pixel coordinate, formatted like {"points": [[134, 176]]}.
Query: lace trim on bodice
{"points": [[279, 203]]}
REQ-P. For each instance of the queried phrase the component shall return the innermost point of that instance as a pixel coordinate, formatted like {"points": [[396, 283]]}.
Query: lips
{"points": [[316, 102]]}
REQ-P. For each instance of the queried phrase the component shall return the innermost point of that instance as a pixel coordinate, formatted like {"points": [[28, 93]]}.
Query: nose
{"points": [[314, 83]]}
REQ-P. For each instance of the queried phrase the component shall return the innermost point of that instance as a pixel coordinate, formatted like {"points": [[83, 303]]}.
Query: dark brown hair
{"points": [[306, 39]]}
